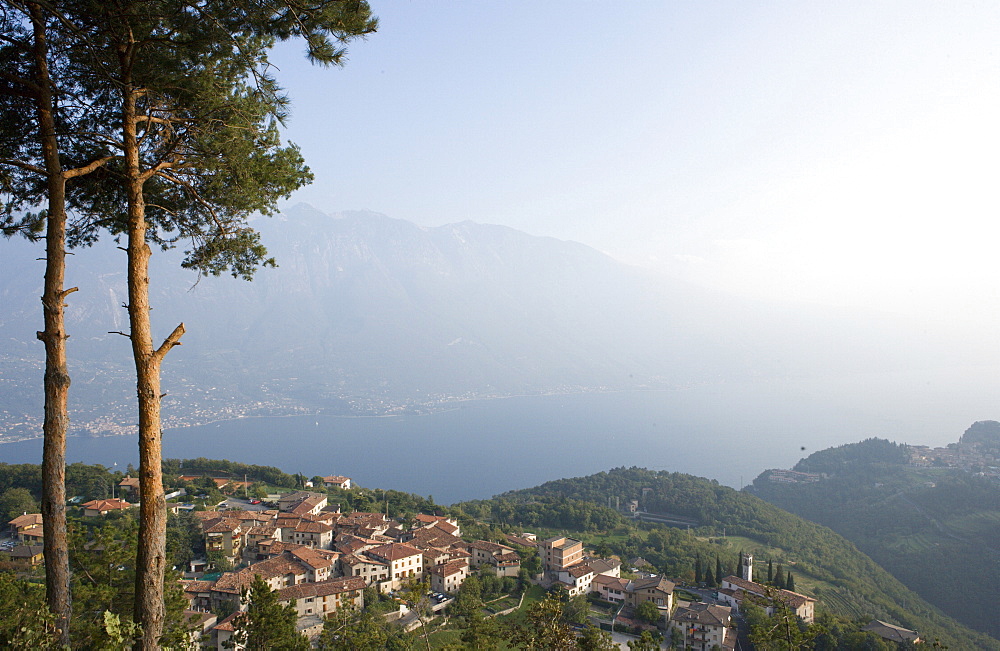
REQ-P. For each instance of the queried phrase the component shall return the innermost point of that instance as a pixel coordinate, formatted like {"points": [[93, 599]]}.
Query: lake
{"points": [[728, 432]]}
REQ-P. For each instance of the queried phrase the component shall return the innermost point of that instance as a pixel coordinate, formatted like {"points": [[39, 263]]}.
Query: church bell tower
{"points": [[746, 567]]}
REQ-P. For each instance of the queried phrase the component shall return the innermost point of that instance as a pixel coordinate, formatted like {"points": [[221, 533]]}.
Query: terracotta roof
{"points": [[434, 553], [205, 515], [313, 527], [577, 571], [603, 565], [351, 560], [263, 529], [612, 582], [26, 520], [36, 531], [793, 599], [258, 516], [433, 537], [199, 620], [107, 505], [280, 565], [519, 540], [196, 585], [322, 588], [654, 582], [274, 546], [233, 582], [221, 525], [491, 547], [449, 568], [705, 614], [394, 551], [227, 623], [131, 482], [311, 558]]}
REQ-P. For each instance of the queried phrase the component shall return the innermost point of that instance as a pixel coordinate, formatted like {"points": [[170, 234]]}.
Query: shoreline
{"points": [[414, 410]]}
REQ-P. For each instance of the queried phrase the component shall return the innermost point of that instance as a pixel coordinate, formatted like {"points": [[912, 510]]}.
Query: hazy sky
{"points": [[837, 152]]}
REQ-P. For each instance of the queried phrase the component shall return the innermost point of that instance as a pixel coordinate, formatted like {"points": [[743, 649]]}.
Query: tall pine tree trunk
{"points": [[56, 383], [151, 550]]}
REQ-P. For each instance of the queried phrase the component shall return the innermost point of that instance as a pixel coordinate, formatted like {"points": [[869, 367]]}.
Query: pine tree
{"points": [[190, 119], [42, 151]]}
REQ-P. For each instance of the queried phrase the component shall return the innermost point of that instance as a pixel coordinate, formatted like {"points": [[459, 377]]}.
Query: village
{"points": [[320, 561]]}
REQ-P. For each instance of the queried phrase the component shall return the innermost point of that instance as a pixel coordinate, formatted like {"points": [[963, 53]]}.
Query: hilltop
{"points": [[723, 521], [931, 517]]}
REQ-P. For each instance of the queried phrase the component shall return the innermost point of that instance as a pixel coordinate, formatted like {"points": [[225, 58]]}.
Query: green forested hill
{"points": [[935, 529], [826, 565]]}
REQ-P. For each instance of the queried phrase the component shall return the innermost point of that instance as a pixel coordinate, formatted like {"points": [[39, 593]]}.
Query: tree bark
{"points": [[56, 382], [151, 550]]}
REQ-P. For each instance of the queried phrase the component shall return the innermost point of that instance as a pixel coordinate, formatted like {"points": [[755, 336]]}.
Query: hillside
{"points": [[934, 528], [826, 565], [847, 583]]}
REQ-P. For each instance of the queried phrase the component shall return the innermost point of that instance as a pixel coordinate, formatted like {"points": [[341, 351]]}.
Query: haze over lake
{"points": [[728, 432]]}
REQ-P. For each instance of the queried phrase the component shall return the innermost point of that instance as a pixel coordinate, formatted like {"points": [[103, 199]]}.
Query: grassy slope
{"points": [[935, 529], [844, 579]]}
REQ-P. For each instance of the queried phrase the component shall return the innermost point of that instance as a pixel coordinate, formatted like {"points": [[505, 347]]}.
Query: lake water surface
{"points": [[728, 432]]}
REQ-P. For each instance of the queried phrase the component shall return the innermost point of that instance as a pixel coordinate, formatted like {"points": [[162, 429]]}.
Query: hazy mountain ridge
{"points": [[362, 306], [367, 312]]}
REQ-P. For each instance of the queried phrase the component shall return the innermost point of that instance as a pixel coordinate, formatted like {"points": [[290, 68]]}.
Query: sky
{"points": [[840, 153]]}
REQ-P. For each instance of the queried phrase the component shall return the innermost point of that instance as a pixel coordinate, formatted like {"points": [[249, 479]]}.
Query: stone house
{"points": [[735, 589], [94, 508], [448, 577], [704, 626], [324, 597]]}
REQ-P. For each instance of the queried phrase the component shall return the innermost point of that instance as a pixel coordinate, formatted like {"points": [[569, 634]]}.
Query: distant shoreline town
{"points": [[112, 422]]}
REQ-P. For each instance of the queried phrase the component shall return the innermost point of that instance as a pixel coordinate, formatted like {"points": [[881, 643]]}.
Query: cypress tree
{"points": [[770, 571], [709, 579], [779, 578], [790, 582], [718, 569], [697, 569]]}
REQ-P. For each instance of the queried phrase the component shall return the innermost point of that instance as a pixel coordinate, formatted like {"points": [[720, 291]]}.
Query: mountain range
{"points": [[366, 313]]}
